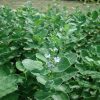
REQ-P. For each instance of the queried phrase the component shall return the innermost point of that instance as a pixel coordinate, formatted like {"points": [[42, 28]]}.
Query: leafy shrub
{"points": [[50, 55]]}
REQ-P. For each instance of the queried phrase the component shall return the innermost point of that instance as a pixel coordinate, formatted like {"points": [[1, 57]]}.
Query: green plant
{"points": [[50, 55]]}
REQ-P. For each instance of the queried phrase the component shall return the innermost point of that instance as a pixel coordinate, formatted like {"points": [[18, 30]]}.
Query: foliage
{"points": [[49, 55]]}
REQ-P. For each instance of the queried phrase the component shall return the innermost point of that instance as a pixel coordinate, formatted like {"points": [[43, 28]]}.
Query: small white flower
{"points": [[56, 59], [55, 49], [47, 55]]}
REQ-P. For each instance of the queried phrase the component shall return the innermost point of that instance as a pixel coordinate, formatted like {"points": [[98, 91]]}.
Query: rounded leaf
{"points": [[32, 65], [62, 65]]}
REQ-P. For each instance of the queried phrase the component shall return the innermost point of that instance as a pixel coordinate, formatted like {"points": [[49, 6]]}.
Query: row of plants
{"points": [[49, 55]]}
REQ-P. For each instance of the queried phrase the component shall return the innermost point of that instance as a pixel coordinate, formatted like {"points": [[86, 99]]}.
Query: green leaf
{"points": [[32, 65], [4, 71], [68, 76], [62, 65], [57, 81], [60, 96], [62, 88], [72, 57], [94, 15], [88, 61], [98, 50], [42, 95], [8, 84], [84, 53], [54, 83], [41, 79], [41, 57], [12, 96], [19, 66]]}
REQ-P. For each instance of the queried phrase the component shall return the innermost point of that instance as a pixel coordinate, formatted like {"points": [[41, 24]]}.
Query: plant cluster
{"points": [[49, 55]]}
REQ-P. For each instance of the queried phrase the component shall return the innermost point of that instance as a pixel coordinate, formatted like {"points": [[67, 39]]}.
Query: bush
{"points": [[50, 55]]}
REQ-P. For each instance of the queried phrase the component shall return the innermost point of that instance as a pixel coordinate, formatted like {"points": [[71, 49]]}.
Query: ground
{"points": [[43, 4]]}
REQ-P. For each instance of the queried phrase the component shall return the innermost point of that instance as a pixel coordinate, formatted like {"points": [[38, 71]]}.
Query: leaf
{"points": [[57, 81], [4, 71], [8, 84], [43, 50], [62, 88], [72, 57], [32, 65], [93, 74], [84, 53], [83, 18], [98, 50], [89, 61], [54, 83], [71, 70], [12, 96], [41, 57], [94, 15], [60, 96], [62, 65], [19, 66], [67, 76], [41, 79], [42, 95]]}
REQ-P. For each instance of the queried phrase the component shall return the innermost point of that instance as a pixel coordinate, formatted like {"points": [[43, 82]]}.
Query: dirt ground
{"points": [[43, 4]]}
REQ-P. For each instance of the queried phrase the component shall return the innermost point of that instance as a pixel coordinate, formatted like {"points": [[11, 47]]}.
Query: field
{"points": [[43, 4], [49, 54]]}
